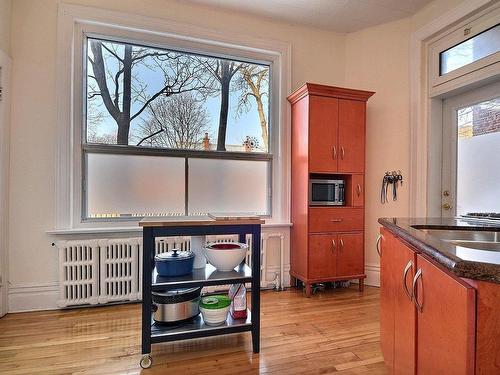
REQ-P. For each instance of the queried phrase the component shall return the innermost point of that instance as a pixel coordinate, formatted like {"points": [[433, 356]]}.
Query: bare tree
{"points": [[182, 73], [253, 81], [223, 71], [178, 121]]}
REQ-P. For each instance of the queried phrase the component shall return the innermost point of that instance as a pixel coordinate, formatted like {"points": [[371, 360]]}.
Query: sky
{"points": [[239, 126]]}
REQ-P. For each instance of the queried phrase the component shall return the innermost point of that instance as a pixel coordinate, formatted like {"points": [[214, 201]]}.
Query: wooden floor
{"points": [[336, 331]]}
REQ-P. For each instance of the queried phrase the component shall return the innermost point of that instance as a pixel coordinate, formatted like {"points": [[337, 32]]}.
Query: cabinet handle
{"points": [[335, 220], [377, 245], [334, 245], [358, 188], [342, 152], [405, 274], [341, 242], [419, 306], [335, 152]]}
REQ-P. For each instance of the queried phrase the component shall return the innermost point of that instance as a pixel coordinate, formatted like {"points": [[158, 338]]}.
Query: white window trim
{"points": [[426, 107], [73, 20]]}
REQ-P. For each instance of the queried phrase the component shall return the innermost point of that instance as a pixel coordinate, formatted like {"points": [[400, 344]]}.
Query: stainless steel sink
{"points": [[463, 235], [478, 245]]}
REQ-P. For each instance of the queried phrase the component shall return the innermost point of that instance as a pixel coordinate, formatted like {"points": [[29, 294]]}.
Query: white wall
{"points": [[317, 56], [5, 17]]}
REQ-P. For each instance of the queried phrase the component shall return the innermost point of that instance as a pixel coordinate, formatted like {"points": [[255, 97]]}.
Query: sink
{"points": [[478, 245], [465, 236]]}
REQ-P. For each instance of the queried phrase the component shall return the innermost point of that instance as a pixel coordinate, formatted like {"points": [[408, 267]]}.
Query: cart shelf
{"points": [[203, 277]]}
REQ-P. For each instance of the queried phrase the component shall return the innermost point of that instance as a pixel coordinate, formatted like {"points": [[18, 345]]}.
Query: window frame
{"points": [[75, 22], [482, 22]]}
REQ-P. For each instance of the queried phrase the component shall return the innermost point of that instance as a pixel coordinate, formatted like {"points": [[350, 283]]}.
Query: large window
{"points": [[168, 132]]}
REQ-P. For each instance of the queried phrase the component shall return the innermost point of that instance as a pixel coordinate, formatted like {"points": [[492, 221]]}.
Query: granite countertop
{"points": [[465, 261]]}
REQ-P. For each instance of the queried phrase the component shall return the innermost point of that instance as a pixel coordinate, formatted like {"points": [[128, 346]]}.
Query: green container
{"points": [[215, 302]]}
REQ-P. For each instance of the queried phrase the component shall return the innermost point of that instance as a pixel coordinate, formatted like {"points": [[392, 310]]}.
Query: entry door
{"points": [[471, 157]]}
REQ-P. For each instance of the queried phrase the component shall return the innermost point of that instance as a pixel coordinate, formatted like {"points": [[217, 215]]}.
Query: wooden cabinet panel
{"points": [[322, 255], [351, 136], [329, 219], [446, 323], [350, 254], [358, 190], [387, 301], [323, 134]]}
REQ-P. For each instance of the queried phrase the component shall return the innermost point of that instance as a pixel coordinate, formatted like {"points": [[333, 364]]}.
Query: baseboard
{"points": [[372, 275], [31, 297]]}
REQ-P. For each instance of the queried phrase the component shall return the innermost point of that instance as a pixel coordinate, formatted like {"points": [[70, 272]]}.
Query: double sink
{"points": [[478, 240]]}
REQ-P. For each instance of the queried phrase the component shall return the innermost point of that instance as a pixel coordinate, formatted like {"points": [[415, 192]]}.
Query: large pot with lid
{"points": [[172, 306], [174, 263]]}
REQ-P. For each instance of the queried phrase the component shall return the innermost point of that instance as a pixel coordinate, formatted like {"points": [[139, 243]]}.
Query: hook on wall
{"points": [[393, 178]]}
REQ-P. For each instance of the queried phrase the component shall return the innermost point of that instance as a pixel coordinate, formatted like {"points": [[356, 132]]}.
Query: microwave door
{"points": [[323, 194]]}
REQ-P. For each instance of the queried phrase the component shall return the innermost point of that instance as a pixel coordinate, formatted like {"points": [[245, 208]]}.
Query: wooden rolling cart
{"points": [[152, 332]]}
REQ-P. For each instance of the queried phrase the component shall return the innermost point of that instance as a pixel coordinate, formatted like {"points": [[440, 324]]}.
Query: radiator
{"points": [[93, 272]]}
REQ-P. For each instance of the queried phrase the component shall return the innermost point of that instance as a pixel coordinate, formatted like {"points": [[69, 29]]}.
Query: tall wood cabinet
{"points": [[328, 141]]}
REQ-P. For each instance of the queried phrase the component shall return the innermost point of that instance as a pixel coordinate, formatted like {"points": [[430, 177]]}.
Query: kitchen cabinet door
{"points": [[323, 134], [322, 255], [350, 254], [351, 136], [405, 313], [358, 190], [446, 322], [387, 300]]}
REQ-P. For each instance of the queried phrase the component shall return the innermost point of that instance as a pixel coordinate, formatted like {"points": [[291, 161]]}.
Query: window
{"points": [[168, 132], [473, 49]]}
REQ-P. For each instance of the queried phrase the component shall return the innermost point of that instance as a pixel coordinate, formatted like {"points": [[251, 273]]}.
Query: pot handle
{"points": [[154, 308]]}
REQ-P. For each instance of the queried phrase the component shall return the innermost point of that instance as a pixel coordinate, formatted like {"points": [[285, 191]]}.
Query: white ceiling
{"points": [[337, 15]]}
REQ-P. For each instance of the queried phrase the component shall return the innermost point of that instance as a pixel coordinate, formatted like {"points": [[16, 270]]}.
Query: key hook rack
{"points": [[394, 179]]}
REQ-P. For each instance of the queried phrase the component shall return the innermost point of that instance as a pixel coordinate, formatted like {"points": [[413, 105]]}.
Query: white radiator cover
{"points": [[93, 272]]}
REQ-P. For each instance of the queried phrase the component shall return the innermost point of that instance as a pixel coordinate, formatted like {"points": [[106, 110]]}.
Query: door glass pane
{"points": [[228, 186], [134, 185], [473, 49], [478, 158]]}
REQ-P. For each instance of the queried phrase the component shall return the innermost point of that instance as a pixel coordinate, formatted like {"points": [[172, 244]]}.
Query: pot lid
{"points": [[215, 302], [174, 255], [176, 292]]}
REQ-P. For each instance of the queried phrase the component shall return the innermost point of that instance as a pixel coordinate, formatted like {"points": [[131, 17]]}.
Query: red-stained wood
{"points": [[351, 138], [323, 255], [328, 91], [323, 134], [446, 325], [300, 189], [331, 219], [350, 259], [358, 190]]}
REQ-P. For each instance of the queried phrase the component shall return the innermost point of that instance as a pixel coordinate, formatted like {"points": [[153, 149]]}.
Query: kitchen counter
{"points": [[468, 261]]}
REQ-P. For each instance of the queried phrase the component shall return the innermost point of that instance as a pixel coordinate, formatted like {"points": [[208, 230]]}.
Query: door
{"points": [[350, 253], [351, 136], [446, 322], [358, 190], [322, 255], [323, 134], [405, 314], [387, 301], [471, 140]]}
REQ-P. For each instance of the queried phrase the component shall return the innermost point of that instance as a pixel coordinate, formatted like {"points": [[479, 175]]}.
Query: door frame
{"points": [[449, 131], [426, 108], [5, 64]]}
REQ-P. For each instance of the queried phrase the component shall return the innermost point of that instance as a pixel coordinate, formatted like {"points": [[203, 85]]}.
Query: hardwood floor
{"points": [[336, 331]]}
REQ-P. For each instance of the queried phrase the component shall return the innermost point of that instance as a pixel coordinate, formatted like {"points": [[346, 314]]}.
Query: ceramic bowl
{"points": [[225, 256]]}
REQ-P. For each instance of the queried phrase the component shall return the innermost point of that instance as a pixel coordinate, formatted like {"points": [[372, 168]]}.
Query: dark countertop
{"points": [[463, 261]]}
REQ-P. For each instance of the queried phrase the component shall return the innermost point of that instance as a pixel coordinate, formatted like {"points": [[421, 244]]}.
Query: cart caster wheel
{"points": [[146, 361]]}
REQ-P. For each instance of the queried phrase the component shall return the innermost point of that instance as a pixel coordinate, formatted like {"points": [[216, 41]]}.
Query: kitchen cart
{"points": [[152, 332]]}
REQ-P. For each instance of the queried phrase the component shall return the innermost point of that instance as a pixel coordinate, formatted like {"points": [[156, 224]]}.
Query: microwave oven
{"points": [[326, 192]]}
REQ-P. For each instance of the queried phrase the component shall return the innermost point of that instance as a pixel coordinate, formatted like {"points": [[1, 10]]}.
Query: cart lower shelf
{"points": [[197, 328]]}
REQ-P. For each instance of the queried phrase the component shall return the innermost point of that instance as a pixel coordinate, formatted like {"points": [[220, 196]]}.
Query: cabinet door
{"points": [[350, 254], [351, 136], [323, 134], [387, 300], [446, 322], [322, 255], [405, 314], [358, 190]]}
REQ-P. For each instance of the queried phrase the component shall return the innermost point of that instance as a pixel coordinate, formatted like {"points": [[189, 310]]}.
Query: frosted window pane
{"points": [[228, 186], [124, 185], [478, 158], [478, 47]]}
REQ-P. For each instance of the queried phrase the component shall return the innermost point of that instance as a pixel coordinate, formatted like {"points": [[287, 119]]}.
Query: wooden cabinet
{"points": [[427, 315], [328, 141]]}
